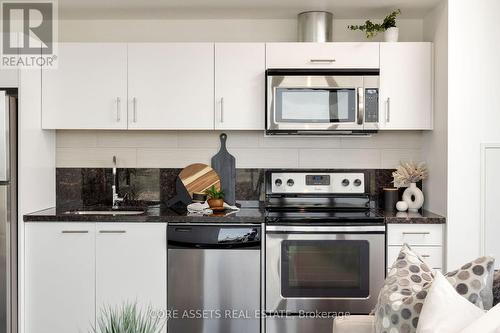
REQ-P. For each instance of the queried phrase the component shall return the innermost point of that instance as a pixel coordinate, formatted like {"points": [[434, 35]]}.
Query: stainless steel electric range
{"points": [[325, 249]]}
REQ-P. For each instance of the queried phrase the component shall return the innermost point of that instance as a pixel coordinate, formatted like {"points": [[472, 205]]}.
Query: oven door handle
{"points": [[323, 229]]}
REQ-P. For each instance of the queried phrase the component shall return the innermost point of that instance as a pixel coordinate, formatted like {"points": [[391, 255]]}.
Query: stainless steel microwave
{"points": [[321, 101]]}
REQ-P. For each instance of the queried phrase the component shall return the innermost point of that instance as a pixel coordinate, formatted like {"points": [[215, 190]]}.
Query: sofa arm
{"points": [[354, 324]]}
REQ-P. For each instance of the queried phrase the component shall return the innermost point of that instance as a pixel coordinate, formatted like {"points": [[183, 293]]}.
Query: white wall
{"points": [[172, 149], [212, 30], [435, 143], [474, 117], [36, 169]]}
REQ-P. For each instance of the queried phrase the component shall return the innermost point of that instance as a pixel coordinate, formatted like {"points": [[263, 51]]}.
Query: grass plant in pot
{"points": [[388, 26], [127, 318], [215, 197]]}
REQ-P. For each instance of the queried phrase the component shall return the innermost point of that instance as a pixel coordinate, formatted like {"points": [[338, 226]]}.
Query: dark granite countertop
{"points": [[250, 212], [423, 217], [155, 213]]}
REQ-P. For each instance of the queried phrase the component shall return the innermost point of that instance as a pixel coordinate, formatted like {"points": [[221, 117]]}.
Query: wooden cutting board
{"points": [[199, 177], [225, 165]]}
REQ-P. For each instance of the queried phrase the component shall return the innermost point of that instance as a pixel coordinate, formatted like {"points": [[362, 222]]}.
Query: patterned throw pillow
{"points": [[401, 299], [496, 288]]}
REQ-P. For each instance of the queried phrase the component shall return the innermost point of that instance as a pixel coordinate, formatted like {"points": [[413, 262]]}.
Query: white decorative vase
{"points": [[401, 206], [414, 197], [391, 35]]}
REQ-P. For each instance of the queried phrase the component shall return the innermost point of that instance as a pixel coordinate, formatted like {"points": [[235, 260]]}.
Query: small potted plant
{"points": [[128, 318], [215, 197], [388, 26]]}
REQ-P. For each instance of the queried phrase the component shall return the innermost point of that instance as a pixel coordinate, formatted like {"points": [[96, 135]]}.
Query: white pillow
{"points": [[489, 323], [444, 310]]}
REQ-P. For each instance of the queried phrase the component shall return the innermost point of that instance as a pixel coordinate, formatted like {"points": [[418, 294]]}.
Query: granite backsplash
{"points": [[77, 187]]}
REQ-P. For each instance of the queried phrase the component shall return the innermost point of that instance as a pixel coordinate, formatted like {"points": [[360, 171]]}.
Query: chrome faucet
{"points": [[116, 198]]}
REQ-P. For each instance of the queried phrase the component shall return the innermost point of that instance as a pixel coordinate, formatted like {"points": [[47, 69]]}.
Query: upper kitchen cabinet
{"points": [[322, 55], [171, 86], [239, 86], [88, 89], [9, 78], [406, 86]]}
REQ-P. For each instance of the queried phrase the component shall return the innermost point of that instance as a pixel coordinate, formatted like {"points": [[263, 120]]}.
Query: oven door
{"points": [[315, 103], [332, 269]]}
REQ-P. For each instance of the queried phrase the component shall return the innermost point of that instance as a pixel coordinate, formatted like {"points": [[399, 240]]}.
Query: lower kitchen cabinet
{"points": [[131, 264], [425, 239], [73, 270], [59, 277]]}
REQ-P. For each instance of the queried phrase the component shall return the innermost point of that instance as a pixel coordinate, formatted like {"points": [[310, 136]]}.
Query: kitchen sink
{"points": [[106, 212]]}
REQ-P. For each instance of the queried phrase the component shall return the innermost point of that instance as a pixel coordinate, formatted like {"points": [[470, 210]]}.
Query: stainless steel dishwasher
{"points": [[214, 278]]}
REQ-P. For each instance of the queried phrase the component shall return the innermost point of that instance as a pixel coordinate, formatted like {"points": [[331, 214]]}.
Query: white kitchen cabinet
{"points": [[425, 239], [406, 86], [59, 277], [88, 89], [240, 86], [171, 85], [9, 78], [322, 55], [131, 264]]}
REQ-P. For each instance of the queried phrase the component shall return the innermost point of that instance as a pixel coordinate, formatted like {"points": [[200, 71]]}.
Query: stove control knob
{"points": [[345, 182], [278, 182], [290, 182], [357, 182]]}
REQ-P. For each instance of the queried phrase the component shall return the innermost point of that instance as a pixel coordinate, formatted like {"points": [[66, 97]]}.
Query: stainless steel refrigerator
{"points": [[8, 211]]}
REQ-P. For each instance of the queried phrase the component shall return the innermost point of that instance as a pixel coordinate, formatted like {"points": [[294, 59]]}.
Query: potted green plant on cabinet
{"points": [[388, 26]]}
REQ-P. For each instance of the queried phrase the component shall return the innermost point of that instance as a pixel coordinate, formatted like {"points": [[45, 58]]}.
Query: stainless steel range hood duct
{"points": [[315, 26]]}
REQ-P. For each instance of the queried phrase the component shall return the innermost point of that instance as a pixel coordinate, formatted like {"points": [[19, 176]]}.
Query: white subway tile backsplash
{"points": [[392, 157], [298, 142], [266, 158], [176, 149], [339, 158], [95, 157], [76, 139], [136, 139], [173, 158], [397, 139], [203, 139]]}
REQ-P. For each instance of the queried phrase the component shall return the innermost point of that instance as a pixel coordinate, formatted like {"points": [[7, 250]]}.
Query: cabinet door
{"points": [[322, 55], [88, 89], [9, 78], [406, 86], [240, 86], [131, 264], [60, 277], [171, 85]]}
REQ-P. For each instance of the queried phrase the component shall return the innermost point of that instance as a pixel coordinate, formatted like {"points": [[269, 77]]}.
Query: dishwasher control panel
{"points": [[211, 236]]}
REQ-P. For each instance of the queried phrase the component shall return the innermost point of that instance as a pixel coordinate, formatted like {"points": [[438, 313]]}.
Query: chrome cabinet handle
{"points": [[388, 113], [118, 109], [222, 109], [134, 107], [415, 233], [112, 231], [361, 105], [329, 61], [75, 231], [425, 256]]}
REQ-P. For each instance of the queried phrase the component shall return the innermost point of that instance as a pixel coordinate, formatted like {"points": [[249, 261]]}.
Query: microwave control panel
{"points": [[371, 105]]}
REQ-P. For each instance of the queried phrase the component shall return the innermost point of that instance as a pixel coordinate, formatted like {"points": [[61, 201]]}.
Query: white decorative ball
{"points": [[402, 206]]}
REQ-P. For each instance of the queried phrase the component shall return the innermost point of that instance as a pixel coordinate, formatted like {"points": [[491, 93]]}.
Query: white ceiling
{"points": [[186, 9]]}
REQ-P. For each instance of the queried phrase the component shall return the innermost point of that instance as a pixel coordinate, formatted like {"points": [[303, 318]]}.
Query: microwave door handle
{"points": [[361, 106]]}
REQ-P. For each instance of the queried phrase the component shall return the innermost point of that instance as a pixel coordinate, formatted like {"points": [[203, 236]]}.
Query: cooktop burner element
{"points": [[318, 197]]}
